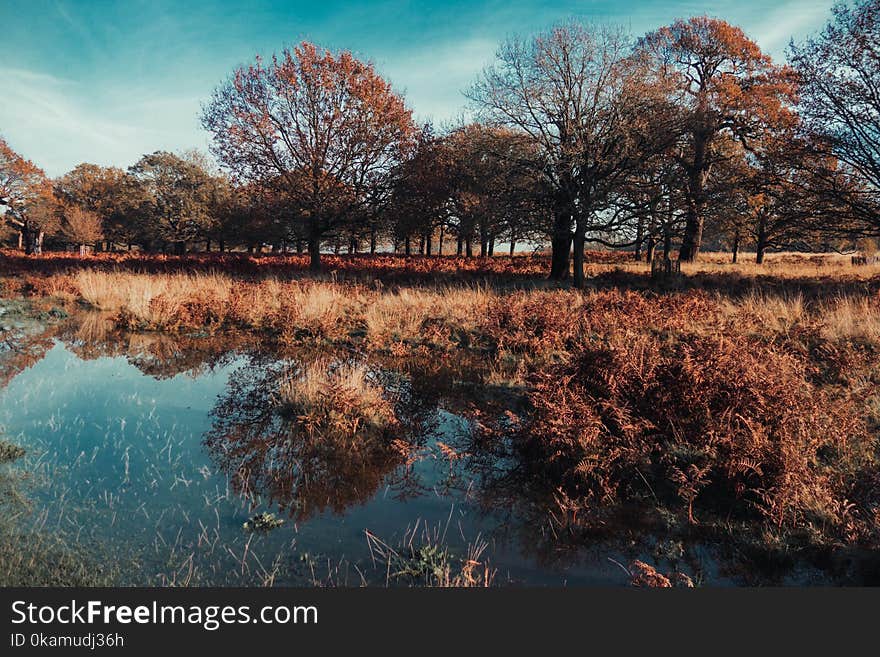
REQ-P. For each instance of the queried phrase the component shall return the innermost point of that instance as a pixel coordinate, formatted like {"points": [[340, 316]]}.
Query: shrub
{"points": [[708, 424]]}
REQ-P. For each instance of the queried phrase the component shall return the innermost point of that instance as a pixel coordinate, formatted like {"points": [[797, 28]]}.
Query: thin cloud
{"points": [[59, 123], [793, 20], [434, 77]]}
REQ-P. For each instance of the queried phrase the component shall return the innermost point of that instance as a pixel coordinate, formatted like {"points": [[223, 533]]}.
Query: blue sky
{"points": [[105, 82]]}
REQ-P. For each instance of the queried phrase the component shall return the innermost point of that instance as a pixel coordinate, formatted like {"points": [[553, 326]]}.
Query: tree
{"points": [[81, 226], [723, 85], [422, 191], [495, 193], [785, 199], [180, 197], [324, 125], [27, 198], [840, 101], [576, 93], [652, 198], [112, 194]]}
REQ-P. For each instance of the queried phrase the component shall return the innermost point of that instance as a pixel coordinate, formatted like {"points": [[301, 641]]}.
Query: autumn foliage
{"points": [[713, 425], [323, 127]]}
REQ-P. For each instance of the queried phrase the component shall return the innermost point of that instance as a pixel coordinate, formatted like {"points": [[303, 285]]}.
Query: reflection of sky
{"points": [[105, 82], [62, 384], [92, 413], [119, 459]]}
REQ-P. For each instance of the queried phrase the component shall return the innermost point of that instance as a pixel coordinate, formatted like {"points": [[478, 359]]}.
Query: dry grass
{"points": [[851, 319], [136, 293], [339, 398], [788, 265], [841, 318], [535, 322], [411, 314], [709, 425], [208, 301]]}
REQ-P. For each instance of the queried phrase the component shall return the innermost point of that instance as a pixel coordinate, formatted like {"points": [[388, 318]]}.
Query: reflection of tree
{"points": [[22, 349], [269, 455], [534, 515], [92, 335]]}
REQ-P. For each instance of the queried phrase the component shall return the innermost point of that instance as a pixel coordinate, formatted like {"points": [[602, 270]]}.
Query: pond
{"points": [[150, 454], [127, 467]]}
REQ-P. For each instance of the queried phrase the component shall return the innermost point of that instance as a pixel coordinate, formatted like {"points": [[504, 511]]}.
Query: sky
{"points": [[105, 82]]}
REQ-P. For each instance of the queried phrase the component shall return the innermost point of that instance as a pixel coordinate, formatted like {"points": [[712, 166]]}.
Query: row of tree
{"points": [[688, 135]]}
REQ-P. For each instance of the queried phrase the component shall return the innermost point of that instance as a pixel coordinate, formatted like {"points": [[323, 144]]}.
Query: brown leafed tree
{"points": [[81, 226], [318, 123], [26, 198], [180, 197], [723, 85], [111, 193], [496, 193], [424, 185]]}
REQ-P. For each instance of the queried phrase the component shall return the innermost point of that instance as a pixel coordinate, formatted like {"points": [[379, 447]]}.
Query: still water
{"points": [[151, 459]]}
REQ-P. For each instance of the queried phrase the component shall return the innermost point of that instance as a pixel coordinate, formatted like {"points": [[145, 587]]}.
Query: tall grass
{"points": [[337, 400], [536, 321]]}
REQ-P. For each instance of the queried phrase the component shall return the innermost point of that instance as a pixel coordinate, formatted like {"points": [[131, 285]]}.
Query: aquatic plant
{"points": [[720, 427], [645, 575], [10, 452], [424, 559], [262, 522]]}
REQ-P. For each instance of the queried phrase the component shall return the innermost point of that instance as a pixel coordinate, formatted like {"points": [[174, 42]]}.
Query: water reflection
{"points": [[270, 455], [178, 477]]}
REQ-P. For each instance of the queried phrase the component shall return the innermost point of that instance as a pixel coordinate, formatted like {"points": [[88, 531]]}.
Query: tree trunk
{"points": [[761, 242], [640, 230], [372, 240], [491, 245], [579, 234], [315, 253], [649, 250], [696, 180], [512, 246], [693, 235], [759, 254], [407, 245], [440, 242], [735, 246], [560, 245], [469, 247], [428, 245], [459, 247], [33, 240]]}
